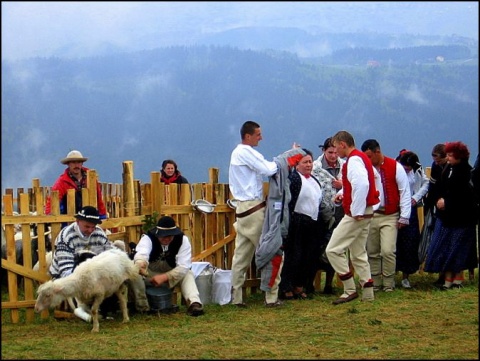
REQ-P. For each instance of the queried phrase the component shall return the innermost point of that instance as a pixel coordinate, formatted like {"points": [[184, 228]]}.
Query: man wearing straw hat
{"points": [[74, 177]]}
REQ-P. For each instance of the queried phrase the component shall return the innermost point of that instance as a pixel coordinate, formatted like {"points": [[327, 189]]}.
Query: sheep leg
{"points": [[122, 295], [95, 307]]}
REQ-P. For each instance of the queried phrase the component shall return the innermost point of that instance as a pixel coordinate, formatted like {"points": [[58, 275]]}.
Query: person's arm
{"points": [[102, 210], [424, 184], [142, 255], [405, 194], [63, 261], [183, 262], [358, 177], [256, 161]]}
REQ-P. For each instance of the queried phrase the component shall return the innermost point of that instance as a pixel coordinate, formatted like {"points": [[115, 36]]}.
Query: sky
{"points": [[41, 28]]}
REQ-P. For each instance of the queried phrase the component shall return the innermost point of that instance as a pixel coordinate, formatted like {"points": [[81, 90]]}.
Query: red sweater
{"points": [[64, 183]]}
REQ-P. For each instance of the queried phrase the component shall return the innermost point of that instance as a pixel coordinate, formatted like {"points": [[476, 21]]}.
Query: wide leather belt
{"points": [[251, 210]]}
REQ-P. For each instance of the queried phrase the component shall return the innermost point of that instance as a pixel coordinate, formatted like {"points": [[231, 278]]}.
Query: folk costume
{"points": [[359, 197]]}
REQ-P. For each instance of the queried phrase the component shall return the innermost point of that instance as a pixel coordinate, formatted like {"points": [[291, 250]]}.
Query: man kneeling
{"points": [[164, 256]]}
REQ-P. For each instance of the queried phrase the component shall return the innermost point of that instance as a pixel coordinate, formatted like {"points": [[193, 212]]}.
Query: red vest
{"points": [[391, 195], [372, 196]]}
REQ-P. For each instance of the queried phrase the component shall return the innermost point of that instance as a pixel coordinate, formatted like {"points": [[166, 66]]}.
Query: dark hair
{"points": [[248, 127], [458, 149], [439, 149], [309, 152], [409, 159], [169, 161], [327, 144], [344, 136], [370, 144]]}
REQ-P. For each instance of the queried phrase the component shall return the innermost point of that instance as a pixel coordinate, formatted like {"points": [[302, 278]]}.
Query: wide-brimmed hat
{"points": [[166, 227], [73, 156], [89, 214]]}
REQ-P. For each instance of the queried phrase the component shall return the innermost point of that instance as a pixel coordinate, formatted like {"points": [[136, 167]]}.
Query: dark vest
{"points": [[170, 255]]}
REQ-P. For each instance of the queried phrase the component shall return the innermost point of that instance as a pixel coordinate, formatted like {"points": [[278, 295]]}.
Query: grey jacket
{"points": [[275, 225]]}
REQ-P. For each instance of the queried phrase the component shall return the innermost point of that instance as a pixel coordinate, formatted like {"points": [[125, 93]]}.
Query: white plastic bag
{"points": [[222, 285]]}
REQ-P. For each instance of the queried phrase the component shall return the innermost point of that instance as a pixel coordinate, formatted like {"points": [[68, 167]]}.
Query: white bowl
{"points": [[232, 203], [203, 206]]}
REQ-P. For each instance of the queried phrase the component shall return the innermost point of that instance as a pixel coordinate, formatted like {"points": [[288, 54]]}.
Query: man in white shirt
{"points": [[393, 213], [164, 256], [246, 174]]}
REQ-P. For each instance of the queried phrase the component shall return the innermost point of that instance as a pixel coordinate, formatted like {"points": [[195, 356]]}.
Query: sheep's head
{"points": [[49, 296]]}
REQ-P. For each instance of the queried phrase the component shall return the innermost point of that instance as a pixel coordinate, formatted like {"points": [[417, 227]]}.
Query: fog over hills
{"points": [[76, 29], [146, 81]]}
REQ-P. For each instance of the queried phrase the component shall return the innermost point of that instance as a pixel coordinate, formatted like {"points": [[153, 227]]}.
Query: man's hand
{"points": [[337, 184], [157, 280]]}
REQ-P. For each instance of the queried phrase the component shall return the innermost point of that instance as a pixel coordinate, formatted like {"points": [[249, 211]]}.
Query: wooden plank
{"points": [[24, 271], [27, 254], [207, 252]]}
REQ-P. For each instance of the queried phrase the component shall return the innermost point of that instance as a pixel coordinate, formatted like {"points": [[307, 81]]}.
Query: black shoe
{"points": [[195, 309], [300, 296], [240, 305], [284, 296], [345, 299], [277, 303], [457, 285]]}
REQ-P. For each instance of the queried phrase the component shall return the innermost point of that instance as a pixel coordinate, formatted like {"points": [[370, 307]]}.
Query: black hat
{"points": [[89, 214], [166, 227]]}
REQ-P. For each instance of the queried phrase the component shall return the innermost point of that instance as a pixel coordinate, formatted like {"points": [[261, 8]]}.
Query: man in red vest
{"points": [[393, 213], [357, 196]]}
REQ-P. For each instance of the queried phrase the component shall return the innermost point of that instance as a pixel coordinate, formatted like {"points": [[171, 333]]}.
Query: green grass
{"points": [[421, 323]]}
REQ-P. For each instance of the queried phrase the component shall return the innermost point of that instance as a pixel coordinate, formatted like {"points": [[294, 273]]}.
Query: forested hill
{"points": [[188, 103]]}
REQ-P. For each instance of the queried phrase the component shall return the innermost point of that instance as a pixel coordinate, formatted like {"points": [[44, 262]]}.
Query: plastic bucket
{"points": [[159, 298]]}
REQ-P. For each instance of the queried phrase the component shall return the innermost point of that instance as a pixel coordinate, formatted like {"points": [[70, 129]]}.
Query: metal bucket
{"points": [[159, 298], [204, 285]]}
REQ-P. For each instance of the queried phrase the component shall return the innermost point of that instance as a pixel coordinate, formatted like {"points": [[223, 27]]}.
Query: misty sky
{"points": [[41, 28], [80, 29]]}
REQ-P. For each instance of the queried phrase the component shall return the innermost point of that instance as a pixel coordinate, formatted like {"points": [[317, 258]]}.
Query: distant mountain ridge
{"points": [[188, 102]]}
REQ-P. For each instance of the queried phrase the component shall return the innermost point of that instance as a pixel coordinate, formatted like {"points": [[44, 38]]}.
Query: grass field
{"points": [[422, 323]]}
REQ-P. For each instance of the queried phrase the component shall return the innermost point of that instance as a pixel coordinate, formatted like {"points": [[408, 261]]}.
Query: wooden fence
{"points": [[129, 205]]}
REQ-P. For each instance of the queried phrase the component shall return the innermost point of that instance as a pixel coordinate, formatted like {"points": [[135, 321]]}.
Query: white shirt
{"points": [[309, 198], [247, 169], [182, 259]]}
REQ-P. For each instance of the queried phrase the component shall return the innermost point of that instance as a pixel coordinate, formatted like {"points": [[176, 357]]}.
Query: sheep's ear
{"points": [[57, 288]]}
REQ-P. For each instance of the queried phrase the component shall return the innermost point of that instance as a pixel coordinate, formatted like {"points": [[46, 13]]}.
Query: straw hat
{"points": [[73, 156]]}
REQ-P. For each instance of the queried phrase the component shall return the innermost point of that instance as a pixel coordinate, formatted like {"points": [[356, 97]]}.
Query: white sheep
{"points": [[48, 260], [90, 283]]}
